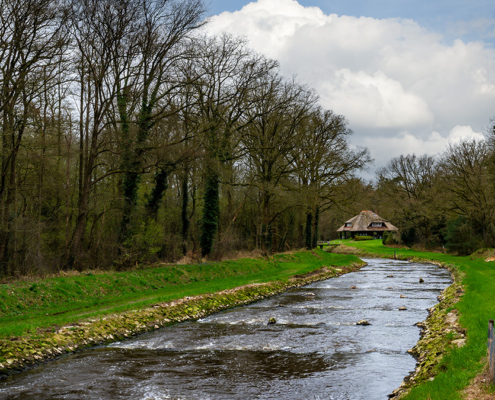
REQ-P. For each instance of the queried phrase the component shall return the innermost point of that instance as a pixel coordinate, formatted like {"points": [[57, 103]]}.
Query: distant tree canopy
{"points": [[447, 200], [128, 137]]}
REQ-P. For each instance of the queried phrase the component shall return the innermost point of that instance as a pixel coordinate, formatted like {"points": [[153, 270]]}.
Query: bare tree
{"points": [[33, 39], [324, 162], [282, 107], [410, 182], [228, 74], [150, 81], [464, 168], [97, 27]]}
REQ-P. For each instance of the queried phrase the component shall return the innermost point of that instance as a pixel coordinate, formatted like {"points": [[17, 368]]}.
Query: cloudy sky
{"points": [[410, 76]]}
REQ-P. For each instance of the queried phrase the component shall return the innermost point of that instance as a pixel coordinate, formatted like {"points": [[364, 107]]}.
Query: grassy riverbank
{"points": [[101, 307], [458, 366]]}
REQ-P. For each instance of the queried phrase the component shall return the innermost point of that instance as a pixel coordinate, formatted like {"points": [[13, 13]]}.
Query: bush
{"points": [[408, 236], [461, 237], [390, 239], [359, 238], [384, 237]]}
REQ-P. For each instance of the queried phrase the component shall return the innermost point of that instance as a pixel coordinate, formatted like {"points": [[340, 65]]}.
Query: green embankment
{"points": [[458, 366], [26, 306]]}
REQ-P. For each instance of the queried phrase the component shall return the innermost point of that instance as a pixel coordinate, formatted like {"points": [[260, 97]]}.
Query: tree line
{"points": [[444, 202], [128, 136]]}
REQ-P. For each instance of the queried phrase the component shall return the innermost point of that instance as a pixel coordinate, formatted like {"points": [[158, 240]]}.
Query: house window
{"points": [[376, 224], [348, 225]]}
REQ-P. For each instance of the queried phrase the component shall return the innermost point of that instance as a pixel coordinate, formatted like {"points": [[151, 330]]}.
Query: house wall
{"points": [[348, 235]]}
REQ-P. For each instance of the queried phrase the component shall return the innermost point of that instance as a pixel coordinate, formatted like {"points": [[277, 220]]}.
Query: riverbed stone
{"points": [[354, 287], [451, 318], [421, 280], [402, 308], [272, 321], [309, 294], [363, 322], [390, 276], [402, 296]]}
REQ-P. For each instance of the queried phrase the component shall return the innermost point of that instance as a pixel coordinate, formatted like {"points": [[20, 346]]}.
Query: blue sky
{"points": [[464, 19]]}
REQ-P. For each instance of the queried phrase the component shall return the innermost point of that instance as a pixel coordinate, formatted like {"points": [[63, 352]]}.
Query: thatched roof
{"points": [[362, 223]]}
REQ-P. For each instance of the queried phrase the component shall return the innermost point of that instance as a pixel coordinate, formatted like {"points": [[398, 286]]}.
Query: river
{"points": [[315, 350]]}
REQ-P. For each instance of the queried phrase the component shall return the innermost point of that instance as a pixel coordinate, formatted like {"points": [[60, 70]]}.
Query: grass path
{"points": [[460, 365]]}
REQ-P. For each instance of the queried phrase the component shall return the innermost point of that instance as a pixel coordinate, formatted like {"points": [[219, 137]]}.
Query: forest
{"points": [[129, 136], [442, 202]]}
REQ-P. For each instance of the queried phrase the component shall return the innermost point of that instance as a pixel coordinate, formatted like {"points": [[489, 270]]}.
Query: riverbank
{"points": [[452, 350], [45, 319]]}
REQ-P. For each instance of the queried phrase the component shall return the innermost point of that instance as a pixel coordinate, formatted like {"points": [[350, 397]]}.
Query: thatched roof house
{"points": [[366, 223]]}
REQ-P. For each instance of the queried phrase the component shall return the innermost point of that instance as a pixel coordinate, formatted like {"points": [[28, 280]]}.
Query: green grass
{"points": [[27, 306], [476, 307]]}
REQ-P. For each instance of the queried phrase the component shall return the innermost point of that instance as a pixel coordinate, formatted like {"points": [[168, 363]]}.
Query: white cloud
{"points": [[461, 132], [407, 143], [374, 100], [394, 80], [269, 24]]}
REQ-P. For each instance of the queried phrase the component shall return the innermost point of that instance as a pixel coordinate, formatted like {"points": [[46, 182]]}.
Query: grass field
{"points": [[26, 306], [476, 307]]}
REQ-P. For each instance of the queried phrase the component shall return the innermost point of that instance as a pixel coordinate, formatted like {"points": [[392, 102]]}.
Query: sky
{"points": [[410, 76]]}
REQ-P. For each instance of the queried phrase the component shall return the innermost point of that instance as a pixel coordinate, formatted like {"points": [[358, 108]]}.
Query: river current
{"points": [[314, 351]]}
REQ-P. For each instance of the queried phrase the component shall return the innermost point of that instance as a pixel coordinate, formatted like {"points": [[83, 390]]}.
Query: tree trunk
{"points": [[266, 228], [161, 185], [133, 163], [308, 230], [185, 219], [211, 211], [283, 240], [315, 227], [75, 247], [11, 150]]}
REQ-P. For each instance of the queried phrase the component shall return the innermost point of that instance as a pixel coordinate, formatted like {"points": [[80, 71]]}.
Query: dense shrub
{"points": [[384, 237], [408, 236], [359, 238], [461, 237], [390, 239]]}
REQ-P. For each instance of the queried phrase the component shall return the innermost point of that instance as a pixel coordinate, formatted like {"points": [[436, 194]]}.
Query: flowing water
{"points": [[314, 351]]}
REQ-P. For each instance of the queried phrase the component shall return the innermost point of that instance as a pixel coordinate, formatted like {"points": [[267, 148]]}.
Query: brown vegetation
{"points": [[480, 388]]}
